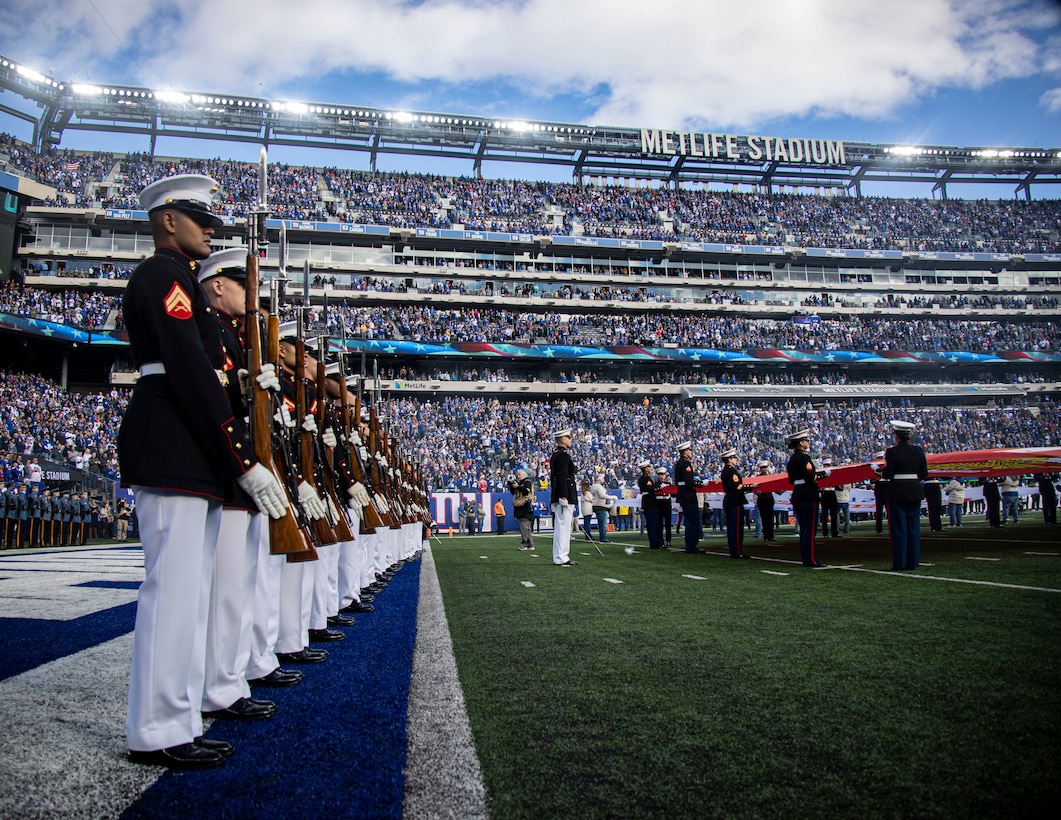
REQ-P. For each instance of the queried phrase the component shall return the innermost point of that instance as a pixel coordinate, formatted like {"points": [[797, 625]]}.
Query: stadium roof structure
{"points": [[666, 156]]}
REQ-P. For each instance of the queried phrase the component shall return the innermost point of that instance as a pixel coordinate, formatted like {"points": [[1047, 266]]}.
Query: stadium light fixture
{"points": [[171, 97], [30, 74], [402, 116], [290, 107], [87, 90]]}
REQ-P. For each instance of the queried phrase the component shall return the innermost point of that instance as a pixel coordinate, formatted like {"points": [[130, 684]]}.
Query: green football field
{"points": [[660, 684]]}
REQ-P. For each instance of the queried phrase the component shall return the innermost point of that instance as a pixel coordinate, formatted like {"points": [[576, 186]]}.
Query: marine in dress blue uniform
{"points": [[803, 477], [764, 501], [733, 502], [648, 484], [563, 488], [905, 468], [686, 479], [226, 692], [182, 451]]}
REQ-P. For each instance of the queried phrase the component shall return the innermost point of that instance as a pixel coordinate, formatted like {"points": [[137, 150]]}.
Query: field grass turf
{"points": [[761, 688]]}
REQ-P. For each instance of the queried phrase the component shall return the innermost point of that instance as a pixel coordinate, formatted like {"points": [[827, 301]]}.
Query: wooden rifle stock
{"points": [[282, 456], [342, 526], [285, 536], [382, 480], [369, 515], [322, 531]]}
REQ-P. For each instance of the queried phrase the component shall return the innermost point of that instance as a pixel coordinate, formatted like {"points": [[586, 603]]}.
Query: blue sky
{"points": [[950, 72]]}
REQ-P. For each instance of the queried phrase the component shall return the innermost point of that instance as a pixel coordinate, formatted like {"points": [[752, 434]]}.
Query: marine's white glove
{"points": [[876, 467], [283, 417], [826, 472], [261, 485], [310, 501], [564, 502], [360, 494], [267, 378], [328, 437], [309, 423], [244, 379]]}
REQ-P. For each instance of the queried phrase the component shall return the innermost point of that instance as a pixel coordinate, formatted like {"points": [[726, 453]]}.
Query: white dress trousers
{"points": [[179, 536], [563, 518]]}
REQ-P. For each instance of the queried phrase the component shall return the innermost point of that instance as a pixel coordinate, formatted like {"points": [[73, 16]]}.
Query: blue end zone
{"points": [[26, 643], [336, 747]]}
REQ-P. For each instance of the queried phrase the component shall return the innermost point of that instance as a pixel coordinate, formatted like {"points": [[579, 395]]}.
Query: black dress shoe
{"points": [[306, 655], [367, 599], [340, 620], [278, 677], [358, 606], [222, 747], [325, 635], [371, 589], [183, 756], [244, 709]]}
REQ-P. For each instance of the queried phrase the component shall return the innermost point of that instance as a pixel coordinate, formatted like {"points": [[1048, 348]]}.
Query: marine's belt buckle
{"points": [[222, 377]]}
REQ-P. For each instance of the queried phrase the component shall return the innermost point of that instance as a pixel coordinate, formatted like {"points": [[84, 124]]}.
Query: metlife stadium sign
{"points": [[740, 147]]}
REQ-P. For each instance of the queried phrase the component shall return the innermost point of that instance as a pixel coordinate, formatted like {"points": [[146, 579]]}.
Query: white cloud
{"points": [[673, 63], [1051, 100]]}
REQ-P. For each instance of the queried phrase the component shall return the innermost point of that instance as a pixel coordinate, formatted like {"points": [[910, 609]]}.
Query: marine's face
{"points": [[191, 238]]}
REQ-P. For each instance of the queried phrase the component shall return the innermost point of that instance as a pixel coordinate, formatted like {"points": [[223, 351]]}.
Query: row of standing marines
{"points": [[35, 518], [272, 506], [904, 471]]}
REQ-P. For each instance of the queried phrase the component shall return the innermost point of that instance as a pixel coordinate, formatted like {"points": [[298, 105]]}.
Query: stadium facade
{"points": [[62, 240]]}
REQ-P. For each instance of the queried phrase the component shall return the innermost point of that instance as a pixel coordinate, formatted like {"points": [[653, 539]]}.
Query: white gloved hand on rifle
{"points": [[283, 417], [267, 378], [309, 423], [268, 494], [328, 438], [310, 501], [360, 494]]}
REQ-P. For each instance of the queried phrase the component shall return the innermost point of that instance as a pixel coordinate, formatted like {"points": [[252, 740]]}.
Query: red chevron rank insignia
{"points": [[178, 303]]}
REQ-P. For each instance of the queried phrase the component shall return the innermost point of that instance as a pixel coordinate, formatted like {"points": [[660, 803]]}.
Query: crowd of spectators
{"points": [[461, 441], [80, 308], [723, 331], [424, 323], [421, 200], [72, 174], [39, 418], [683, 375]]}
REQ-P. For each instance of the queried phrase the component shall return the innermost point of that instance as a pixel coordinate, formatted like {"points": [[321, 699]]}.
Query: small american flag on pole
{"points": [[72, 166]]}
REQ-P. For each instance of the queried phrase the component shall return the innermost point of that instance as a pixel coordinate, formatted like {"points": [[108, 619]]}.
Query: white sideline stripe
{"points": [[442, 776], [695, 577], [484, 557], [978, 558], [954, 580], [527, 584], [772, 572], [613, 580], [1042, 553]]}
